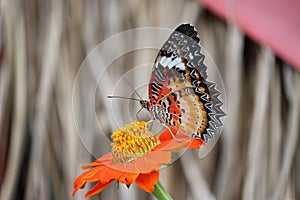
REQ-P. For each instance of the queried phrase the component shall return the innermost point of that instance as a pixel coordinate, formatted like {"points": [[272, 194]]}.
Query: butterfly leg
{"points": [[137, 113], [147, 124], [150, 127], [171, 132]]}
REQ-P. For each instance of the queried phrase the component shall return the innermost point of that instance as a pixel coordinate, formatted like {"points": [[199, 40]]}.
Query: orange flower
{"points": [[136, 157]]}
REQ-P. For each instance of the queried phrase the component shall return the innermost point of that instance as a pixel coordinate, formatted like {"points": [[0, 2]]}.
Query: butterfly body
{"points": [[179, 94]]}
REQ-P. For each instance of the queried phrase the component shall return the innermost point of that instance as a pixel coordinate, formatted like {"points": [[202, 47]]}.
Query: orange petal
{"points": [[173, 145], [178, 143], [79, 182], [140, 165], [127, 178], [158, 157], [166, 135], [109, 173], [168, 142], [95, 175], [106, 159], [128, 167], [97, 188], [195, 144], [147, 181], [77, 186], [136, 166], [144, 166], [93, 164]]}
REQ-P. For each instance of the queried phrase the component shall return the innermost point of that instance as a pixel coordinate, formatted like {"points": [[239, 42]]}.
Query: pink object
{"points": [[272, 23]]}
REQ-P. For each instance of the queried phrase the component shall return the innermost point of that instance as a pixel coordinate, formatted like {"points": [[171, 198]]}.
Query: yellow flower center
{"points": [[132, 141]]}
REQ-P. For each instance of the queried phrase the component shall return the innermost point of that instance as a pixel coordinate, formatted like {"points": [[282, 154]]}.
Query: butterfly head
{"points": [[145, 104]]}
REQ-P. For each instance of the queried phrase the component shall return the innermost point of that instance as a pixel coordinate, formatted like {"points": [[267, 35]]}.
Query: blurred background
{"points": [[43, 44]]}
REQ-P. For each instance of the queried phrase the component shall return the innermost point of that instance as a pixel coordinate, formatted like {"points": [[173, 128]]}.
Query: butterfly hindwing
{"points": [[182, 107]]}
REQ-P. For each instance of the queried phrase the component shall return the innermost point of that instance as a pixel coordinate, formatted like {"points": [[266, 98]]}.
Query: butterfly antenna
{"points": [[120, 97]]}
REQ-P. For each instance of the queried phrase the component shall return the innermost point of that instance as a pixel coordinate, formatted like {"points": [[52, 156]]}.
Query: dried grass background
{"points": [[42, 46]]}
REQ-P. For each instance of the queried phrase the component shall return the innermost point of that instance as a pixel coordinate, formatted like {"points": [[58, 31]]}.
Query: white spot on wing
{"points": [[168, 60], [191, 56], [174, 62], [162, 60], [180, 66], [165, 61]]}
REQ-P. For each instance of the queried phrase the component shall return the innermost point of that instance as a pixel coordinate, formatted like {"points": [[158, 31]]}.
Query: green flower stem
{"points": [[160, 192]]}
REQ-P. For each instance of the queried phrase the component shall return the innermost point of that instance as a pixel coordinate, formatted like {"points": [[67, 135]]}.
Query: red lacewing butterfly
{"points": [[179, 94]]}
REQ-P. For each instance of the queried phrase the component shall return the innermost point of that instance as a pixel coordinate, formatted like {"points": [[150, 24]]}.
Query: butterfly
{"points": [[179, 94]]}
